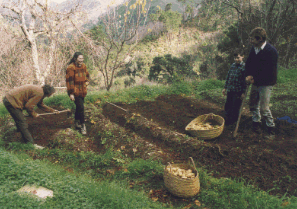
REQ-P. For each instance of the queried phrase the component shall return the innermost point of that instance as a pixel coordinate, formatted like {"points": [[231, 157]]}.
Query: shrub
{"points": [[147, 168], [169, 69], [208, 85], [181, 87]]}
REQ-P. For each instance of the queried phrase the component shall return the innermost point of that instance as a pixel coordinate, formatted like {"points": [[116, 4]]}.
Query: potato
{"points": [[189, 171], [182, 173], [188, 175]]}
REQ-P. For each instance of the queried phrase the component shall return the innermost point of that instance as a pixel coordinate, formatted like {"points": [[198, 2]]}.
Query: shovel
{"points": [[240, 111]]}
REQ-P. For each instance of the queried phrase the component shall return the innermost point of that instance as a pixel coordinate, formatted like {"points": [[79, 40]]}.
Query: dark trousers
{"points": [[80, 109], [232, 106], [19, 120]]}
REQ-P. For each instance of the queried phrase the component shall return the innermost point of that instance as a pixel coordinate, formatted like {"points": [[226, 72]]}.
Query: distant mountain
{"points": [[93, 8]]}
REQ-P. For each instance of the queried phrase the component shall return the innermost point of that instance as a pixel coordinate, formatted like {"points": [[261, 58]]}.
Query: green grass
{"points": [[230, 194], [209, 84], [70, 191], [286, 75], [79, 190], [3, 111], [284, 95]]}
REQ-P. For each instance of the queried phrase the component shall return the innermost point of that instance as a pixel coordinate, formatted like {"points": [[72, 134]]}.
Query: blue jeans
{"points": [[259, 101]]}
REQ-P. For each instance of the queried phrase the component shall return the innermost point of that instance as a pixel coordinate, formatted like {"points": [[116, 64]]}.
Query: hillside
{"points": [[134, 133]]}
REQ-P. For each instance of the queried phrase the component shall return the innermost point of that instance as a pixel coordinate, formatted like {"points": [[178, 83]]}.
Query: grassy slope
{"points": [[70, 190]]}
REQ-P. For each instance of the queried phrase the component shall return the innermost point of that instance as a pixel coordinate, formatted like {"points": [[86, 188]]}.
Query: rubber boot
{"points": [[83, 129], [271, 133], [256, 127]]}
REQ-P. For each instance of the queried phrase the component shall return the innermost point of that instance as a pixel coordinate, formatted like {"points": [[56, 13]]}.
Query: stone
{"points": [[38, 147], [39, 192]]}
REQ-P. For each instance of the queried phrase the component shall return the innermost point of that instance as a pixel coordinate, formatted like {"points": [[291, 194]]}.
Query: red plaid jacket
{"points": [[76, 78]]}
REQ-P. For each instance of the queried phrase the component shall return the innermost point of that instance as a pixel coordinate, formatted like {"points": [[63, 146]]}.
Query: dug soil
{"points": [[158, 131]]}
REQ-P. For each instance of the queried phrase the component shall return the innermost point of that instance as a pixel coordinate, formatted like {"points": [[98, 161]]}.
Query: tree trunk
{"points": [[32, 39], [36, 68], [51, 58]]}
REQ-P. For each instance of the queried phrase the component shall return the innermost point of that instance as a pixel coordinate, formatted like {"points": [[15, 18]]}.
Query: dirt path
{"points": [[268, 164]]}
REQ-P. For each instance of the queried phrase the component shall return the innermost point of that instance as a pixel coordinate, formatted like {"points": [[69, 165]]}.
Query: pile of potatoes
{"points": [[184, 174], [202, 126]]}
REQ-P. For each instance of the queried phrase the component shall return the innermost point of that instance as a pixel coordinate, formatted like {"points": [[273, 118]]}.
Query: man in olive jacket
{"points": [[27, 97]]}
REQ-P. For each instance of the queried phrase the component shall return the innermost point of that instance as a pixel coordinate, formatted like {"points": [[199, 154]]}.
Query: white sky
{"points": [[103, 2], [57, 1]]}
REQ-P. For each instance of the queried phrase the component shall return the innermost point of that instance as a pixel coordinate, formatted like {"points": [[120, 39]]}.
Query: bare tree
{"points": [[118, 39], [14, 52], [269, 14], [277, 17], [37, 19], [190, 8]]}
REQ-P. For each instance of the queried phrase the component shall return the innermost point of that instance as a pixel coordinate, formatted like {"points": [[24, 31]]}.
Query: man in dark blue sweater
{"points": [[261, 71]]}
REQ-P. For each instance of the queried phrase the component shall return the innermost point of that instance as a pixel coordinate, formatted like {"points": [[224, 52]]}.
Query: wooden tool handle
{"points": [[240, 111], [51, 113]]}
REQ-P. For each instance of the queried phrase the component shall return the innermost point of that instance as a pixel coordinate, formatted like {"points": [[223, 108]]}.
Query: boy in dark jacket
{"points": [[261, 71], [234, 88]]}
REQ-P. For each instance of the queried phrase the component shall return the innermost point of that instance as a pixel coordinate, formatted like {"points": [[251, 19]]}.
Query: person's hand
{"points": [[37, 115], [224, 92], [242, 96], [249, 79], [56, 112], [72, 97], [87, 83]]}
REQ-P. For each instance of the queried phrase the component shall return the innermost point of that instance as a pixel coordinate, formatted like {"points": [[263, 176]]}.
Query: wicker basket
{"points": [[177, 186], [207, 134]]}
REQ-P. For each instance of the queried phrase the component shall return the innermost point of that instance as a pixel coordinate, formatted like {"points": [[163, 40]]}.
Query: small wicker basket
{"points": [[177, 186], [206, 134]]}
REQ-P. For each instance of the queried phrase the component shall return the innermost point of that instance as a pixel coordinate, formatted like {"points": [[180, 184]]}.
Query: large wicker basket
{"points": [[206, 134], [177, 186]]}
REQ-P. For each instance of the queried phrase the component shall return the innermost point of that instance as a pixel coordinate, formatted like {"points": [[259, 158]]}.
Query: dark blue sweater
{"points": [[262, 66]]}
